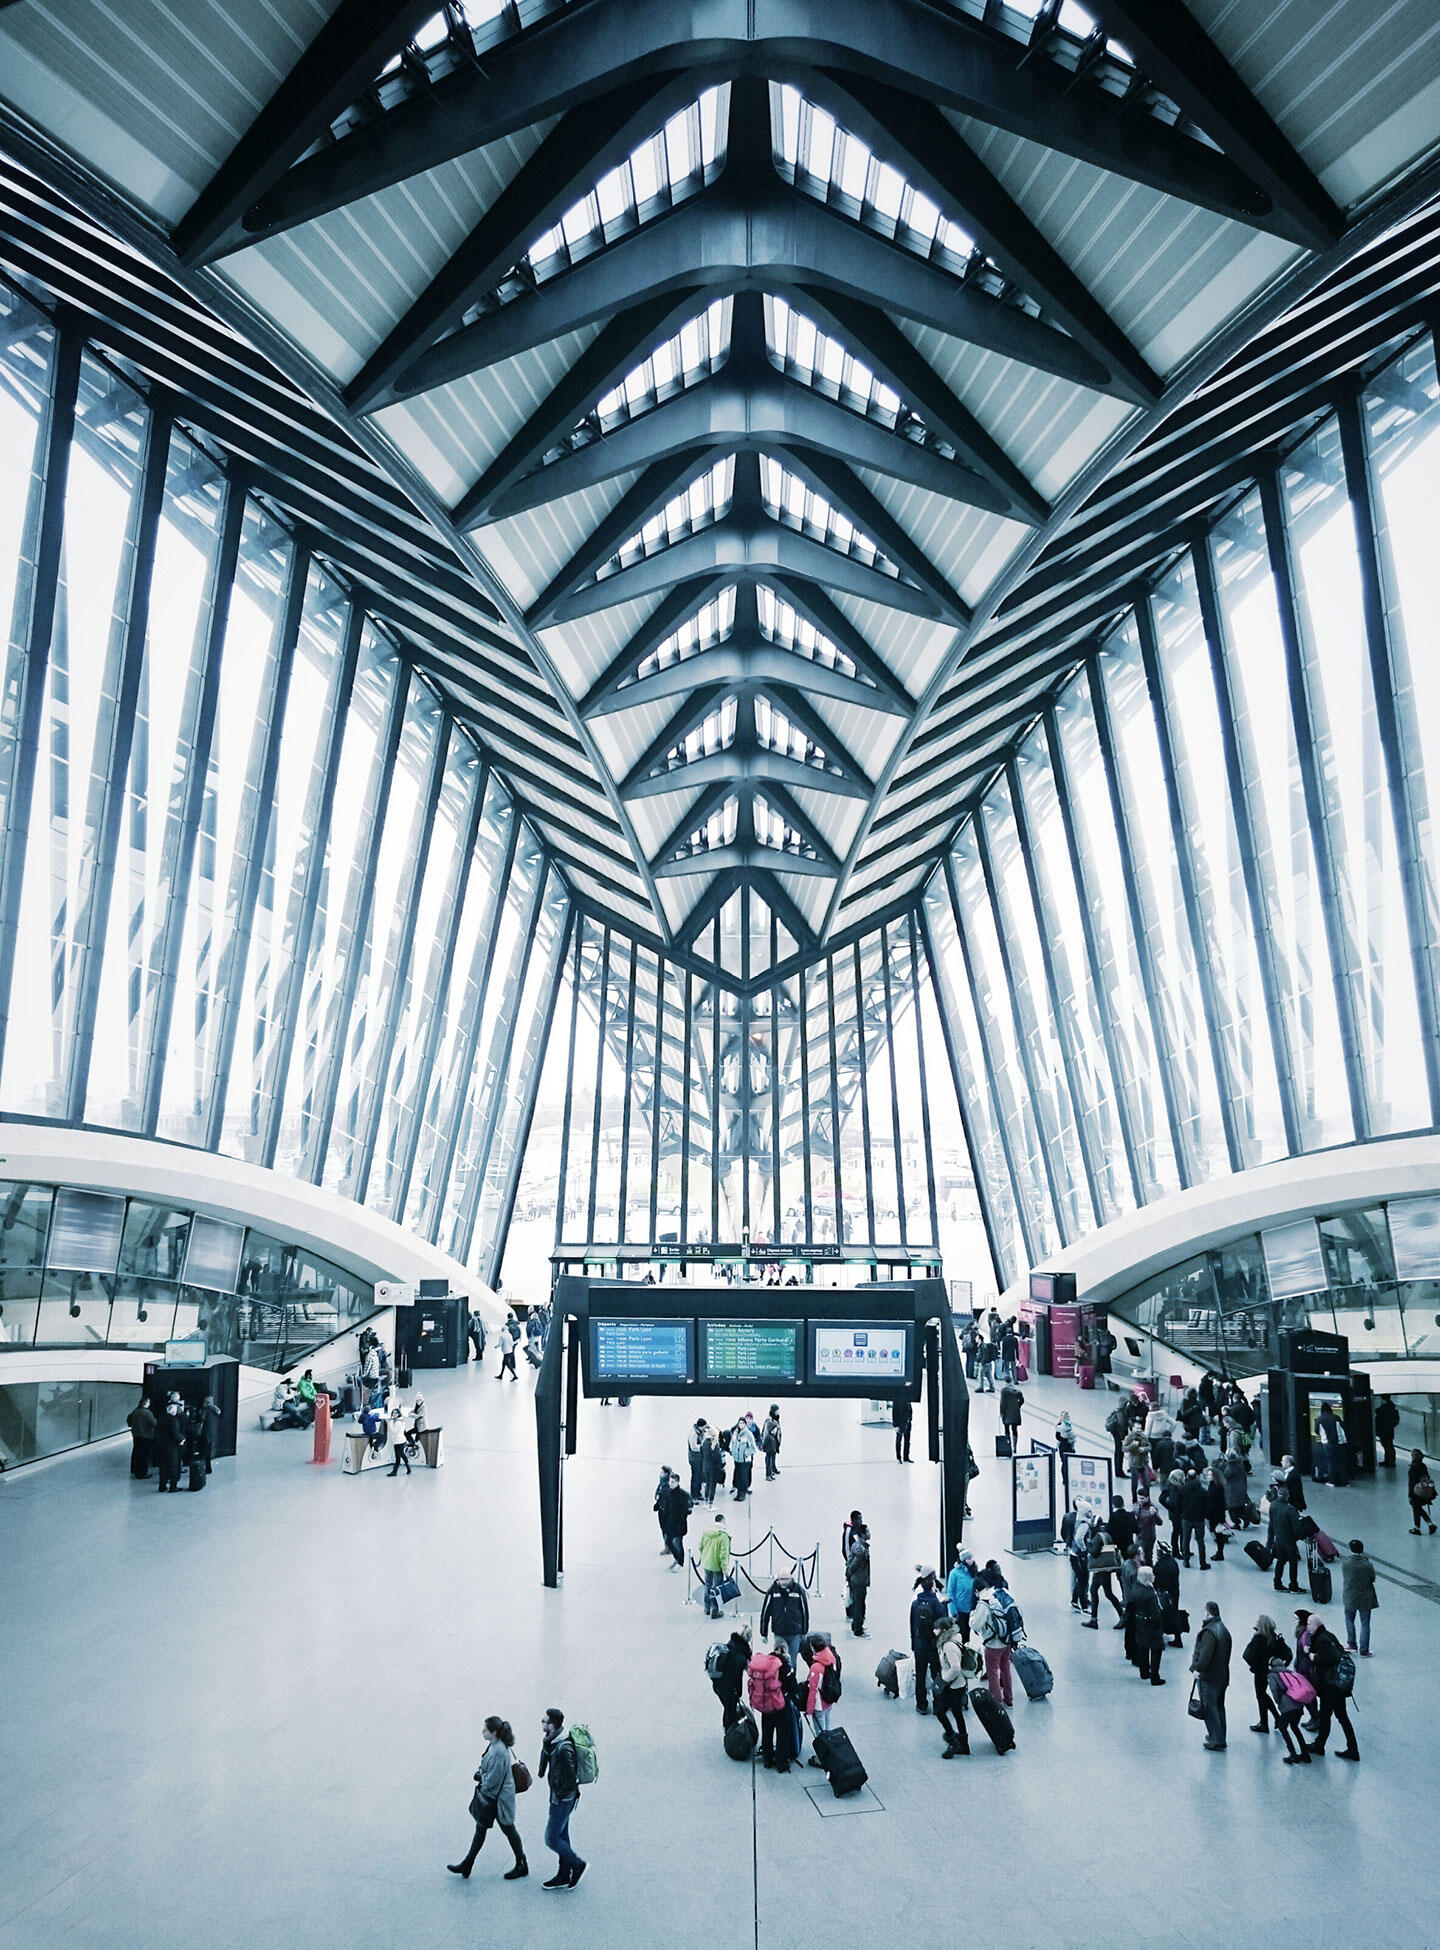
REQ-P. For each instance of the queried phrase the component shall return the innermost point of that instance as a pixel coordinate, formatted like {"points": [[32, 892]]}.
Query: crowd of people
{"points": [[178, 1440]]}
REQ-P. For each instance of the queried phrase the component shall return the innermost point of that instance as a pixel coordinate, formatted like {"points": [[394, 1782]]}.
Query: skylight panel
{"points": [[708, 627], [793, 501], [692, 354], [784, 625], [773, 830], [704, 501]]}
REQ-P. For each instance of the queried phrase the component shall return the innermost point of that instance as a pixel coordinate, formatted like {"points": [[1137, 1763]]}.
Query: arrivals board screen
{"points": [[642, 1350], [761, 1351], [861, 1353]]}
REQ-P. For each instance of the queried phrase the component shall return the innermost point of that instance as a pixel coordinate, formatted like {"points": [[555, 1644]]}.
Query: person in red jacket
{"points": [[821, 1655], [767, 1698]]}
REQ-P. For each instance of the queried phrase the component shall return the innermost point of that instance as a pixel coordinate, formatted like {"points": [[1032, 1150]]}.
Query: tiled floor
{"points": [[250, 1718]]}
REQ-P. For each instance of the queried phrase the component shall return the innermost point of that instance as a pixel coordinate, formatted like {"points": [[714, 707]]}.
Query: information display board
{"points": [[642, 1350], [767, 1352], [871, 1353]]}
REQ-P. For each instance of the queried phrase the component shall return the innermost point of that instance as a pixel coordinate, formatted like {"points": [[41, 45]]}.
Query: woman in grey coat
{"points": [[493, 1802]]}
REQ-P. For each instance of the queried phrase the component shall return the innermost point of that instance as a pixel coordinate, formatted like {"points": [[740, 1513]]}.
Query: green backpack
{"points": [[587, 1761]]}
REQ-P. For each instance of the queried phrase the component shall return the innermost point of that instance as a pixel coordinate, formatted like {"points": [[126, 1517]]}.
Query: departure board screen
{"points": [[761, 1351], [861, 1352], [642, 1350]]}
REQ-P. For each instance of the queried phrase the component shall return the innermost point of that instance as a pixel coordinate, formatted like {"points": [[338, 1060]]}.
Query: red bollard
{"points": [[322, 1429]]}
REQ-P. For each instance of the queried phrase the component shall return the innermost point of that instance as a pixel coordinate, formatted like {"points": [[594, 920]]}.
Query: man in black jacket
{"points": [[1121, 1525], [1292, 1482], [1210, 1663], [901, 1416], [927, 1609], [675, 1519], [1387, 1420], [785, 1616], [1011, 1403], [1326, 1653], [1192, 1519], [557, 1760], [1283, 1538]]}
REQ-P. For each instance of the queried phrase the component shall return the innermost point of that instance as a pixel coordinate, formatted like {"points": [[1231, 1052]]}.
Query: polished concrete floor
{"points": [[251, 1717]]}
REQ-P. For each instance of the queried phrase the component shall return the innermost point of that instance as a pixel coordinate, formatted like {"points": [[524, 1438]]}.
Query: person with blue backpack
{"points": [[1001, 1628]]}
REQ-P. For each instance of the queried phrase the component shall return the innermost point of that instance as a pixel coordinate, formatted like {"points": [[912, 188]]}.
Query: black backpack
{"points": [[830, 1688]]}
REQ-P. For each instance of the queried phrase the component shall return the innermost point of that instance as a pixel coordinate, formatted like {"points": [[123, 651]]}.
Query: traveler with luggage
{"points": [[1421, 1491], [1359, 1597], [1167, 1583], [1265, 1650], [767, 1697], [1210, 1662], [493, 1803], [952, 1655], [1334, 1682], [509, 1341], [857, 1577], [927, 1608], [785, 1615], [1283, 1539], [997, 1620], [560, 1760], [1011, 1403], [726, 1665], [1147, 1625], [822, 1682], [141, 1421], [1290, 1692], [1387, 1421], [714, 1562]]}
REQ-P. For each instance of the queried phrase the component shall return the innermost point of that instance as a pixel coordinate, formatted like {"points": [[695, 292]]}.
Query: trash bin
{"points": [[1084, 1374], [433, 1447]]}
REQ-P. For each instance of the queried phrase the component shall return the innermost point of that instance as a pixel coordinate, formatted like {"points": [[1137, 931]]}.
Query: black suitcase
{"points": [[197, 1482], [995, 1720], [1260, 1554], [843, 1767], [402, 1375], [1002, 1445], [1306, 1527], [1320, 1582]]}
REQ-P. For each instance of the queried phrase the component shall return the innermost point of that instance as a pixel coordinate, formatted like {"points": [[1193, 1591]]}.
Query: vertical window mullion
{"points": [[1343, 956], [804, 1000], [863, 1063], [629, 1091], [495, 1258], [238, 952], [1360, 488], [834, 1103], [688, 1021], [1260, 920], [930, 1187], [578, 939], [603, 1008], [657, 1095], [900, 1211], [947, 1036]]}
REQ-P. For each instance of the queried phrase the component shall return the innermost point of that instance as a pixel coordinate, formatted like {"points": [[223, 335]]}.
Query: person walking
{"points": [[398, 1445], [1192, 1519], [1210, 1662], [1011, 1403], [559, 1761], [1357, 1591], [493, 1803], [1292, 1482], [141, 1422], [1234, 1474], [770, 1442], [902, 1415], [1103, 1563], [1009, 1353], [742, 1458], [1167, 1583], [857, 1577], [1421, 1491], [1265, 1649], [1147, 1625], [509, 1341], [714, 1562], [785, 1615], [986, 1356], [1147, 1524], [475, 1331], [951, 1698], [767, 1698], [1136, 1451], [712, 1463], [927, 1608], [1334, 1682], [1283, 1539], [1387, 1421], [675, 1515]]}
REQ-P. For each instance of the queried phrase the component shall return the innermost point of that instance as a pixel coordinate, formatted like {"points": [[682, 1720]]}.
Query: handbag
{"points": [[729, 1588], [1195, 1709], [520, 1774], [480, 1807]]}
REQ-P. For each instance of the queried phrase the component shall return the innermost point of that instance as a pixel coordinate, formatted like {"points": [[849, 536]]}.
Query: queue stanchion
{"points": [[322, 1429]]}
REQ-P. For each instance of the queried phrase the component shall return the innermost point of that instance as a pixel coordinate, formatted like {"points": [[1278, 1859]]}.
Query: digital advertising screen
{"points": [[875, 1353], [766, 1352], [642, 1350]]}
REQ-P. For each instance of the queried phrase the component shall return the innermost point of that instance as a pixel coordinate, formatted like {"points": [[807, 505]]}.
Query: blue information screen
{"points": [[642, 1350]]}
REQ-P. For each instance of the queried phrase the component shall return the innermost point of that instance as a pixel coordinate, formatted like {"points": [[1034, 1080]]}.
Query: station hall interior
{"points": [[718, 709]]}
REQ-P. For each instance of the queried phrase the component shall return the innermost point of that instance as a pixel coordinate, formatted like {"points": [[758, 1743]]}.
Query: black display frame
{"points": [[794, 1386], [875, 1389]]}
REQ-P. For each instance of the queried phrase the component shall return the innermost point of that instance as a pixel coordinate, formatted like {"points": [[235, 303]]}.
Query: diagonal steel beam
{"points": [[338, 66], [750, 659], [584, 145], [682, 602], [735, 766]]}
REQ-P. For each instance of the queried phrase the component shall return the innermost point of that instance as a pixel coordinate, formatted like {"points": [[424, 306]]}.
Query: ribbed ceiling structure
{"points": [[743, 354]]}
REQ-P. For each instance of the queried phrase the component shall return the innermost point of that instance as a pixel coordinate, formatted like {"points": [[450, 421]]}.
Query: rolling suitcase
{"points": [[1321, 1584], [993, 1717], [742, 1736], [198, 1473], [1259, 1554], [843, 1767], [1034, 1670], [1002, 1446]]}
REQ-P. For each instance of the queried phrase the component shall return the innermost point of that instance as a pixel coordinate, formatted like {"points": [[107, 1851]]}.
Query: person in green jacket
{"points": [[714, 1562]]}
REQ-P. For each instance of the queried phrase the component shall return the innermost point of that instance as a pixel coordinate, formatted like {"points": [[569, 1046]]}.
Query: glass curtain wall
{"points": [[701, 1115], [1194, 923], [260, 890]]}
